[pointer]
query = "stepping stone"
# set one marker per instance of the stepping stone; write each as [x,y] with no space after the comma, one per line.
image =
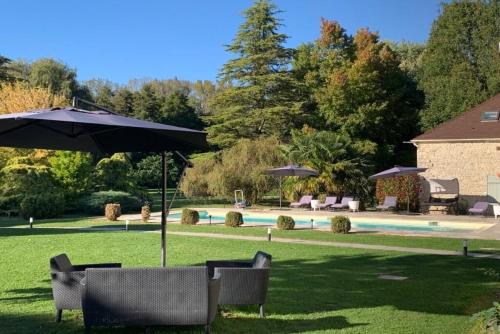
[392,277]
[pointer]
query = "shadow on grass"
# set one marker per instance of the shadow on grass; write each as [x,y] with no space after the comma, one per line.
[29,294]
[435,284]
[303,291]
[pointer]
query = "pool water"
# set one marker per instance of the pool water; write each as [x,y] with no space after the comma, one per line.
[325,222]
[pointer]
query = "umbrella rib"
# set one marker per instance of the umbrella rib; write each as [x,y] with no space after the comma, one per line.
[92,132]
[16,128]
[55,130]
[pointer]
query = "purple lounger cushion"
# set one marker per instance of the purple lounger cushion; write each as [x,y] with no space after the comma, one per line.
[344,203]
[479,207]
[329,201]
[305,200]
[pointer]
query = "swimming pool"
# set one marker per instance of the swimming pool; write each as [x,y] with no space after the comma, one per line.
[356,223]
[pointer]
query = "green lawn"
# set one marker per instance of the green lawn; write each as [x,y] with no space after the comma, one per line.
[313,289]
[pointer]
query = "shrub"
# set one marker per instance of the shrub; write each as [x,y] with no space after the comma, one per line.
[463,207]
[487,321]
[285,223]
[145,213]
[239,167]
[341,224]
[190,217]
[95,202]
[400,187]
[47,205]
[114,173]
[112,211]
[233,219]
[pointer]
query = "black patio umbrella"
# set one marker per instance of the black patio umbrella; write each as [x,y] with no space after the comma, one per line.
[290,170]
[398,171]
[99,131]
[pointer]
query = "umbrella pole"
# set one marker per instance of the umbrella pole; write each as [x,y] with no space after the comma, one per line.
[408,196]
[163,210]
[281,192]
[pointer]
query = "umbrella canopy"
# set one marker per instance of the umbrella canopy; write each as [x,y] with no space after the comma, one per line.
[100,131]
[290,170]
[397,171]
[74,129]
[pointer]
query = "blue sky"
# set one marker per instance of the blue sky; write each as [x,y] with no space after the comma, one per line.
[121,40]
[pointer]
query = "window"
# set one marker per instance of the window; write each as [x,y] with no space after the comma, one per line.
[490,116]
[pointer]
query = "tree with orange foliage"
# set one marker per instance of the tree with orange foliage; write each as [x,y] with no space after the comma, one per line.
[359,88]
[18,97]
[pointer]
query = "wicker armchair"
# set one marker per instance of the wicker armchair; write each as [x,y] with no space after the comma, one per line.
[149,297]
[66,277]
[243,282]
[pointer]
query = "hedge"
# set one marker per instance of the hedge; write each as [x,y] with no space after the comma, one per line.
[95,202]
[398,186]
[47,205]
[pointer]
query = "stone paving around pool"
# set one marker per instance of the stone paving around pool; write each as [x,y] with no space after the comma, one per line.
[486,228]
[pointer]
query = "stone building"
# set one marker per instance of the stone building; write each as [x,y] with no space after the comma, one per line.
[466,148]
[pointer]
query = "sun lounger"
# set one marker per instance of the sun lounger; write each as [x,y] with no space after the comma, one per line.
[389,202]
[479,208]
[344,204]
[329,201]
[304,201]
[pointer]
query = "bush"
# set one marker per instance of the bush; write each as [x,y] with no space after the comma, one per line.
[114,173]
[241,166]
[341,224]
[95,202]
[487,321]
[190,217]
[463,207]
[47,205]
[400,187]
[112,211]
[233,219]
[145,213]
[285,223]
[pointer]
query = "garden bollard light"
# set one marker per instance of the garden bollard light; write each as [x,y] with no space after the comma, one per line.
[465,247]
[269,234]
[31,222]
[210,219]
[126,225]
[312,224]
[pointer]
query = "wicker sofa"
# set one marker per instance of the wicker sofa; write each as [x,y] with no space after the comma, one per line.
[149,297]
[65,279]
[243,282]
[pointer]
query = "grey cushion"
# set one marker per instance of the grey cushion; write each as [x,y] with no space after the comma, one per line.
[60,263]
[261,260]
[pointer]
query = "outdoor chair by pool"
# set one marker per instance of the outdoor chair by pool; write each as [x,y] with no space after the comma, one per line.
[344,204]
[243,282]
[329,201]
[390,202]
[479,208]
[304,201]
[149,297]
[66,277]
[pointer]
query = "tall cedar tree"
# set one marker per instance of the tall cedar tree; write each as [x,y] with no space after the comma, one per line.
[259,98]
[461,64]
